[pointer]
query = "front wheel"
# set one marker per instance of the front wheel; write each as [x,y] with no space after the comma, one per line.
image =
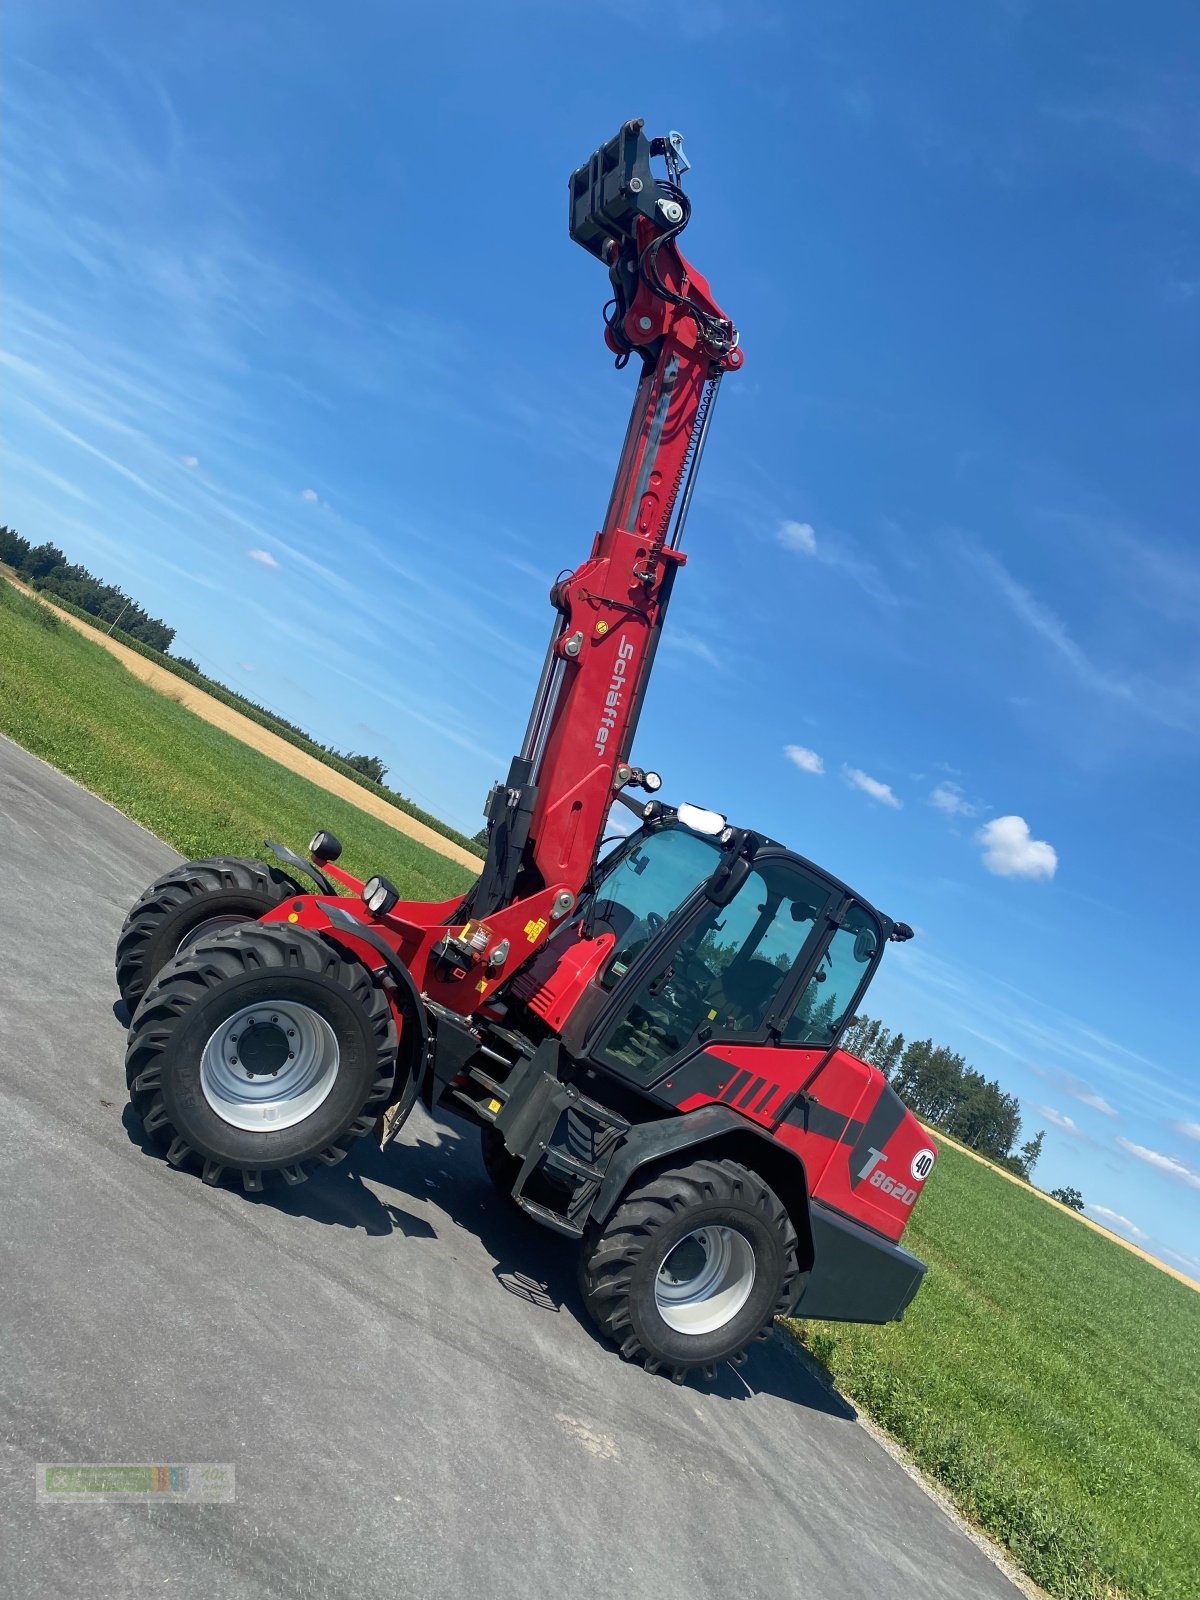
[263,1049]
[189,903]
[692,1267]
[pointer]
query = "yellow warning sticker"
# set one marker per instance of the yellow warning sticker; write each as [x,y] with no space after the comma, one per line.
[481,986]
[711,1015]
[534,930]
[493,1105]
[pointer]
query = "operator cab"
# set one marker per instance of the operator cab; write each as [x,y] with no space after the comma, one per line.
[716,933]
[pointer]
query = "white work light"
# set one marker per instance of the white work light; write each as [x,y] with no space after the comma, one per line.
[699,820]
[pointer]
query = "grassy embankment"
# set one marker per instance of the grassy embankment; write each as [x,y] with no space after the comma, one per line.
[1049,1380]
[202,791]
[277,725]
[1046,1377]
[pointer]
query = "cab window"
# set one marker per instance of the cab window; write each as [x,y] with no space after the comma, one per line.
[830,991]
[725,973]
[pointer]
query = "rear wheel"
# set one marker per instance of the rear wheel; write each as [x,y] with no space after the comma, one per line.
[261,1050]
[692,1267]
[189,903]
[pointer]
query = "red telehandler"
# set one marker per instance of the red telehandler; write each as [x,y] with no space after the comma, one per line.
[648,1038]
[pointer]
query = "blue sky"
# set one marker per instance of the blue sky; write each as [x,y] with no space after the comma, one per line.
[298,350]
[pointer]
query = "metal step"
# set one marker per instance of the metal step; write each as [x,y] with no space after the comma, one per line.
[551,1219]
[568,1163]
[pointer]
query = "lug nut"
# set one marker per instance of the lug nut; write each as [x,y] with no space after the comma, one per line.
[291,1033]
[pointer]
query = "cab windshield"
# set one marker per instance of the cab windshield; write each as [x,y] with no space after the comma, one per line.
[648,881]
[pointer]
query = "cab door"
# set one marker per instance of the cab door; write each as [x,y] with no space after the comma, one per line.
[717,972]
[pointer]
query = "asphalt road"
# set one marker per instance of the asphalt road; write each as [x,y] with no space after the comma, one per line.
[399,1369]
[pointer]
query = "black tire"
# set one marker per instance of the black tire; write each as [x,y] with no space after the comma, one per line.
[215,980]
[620,1266]
[179,902]
[499,1163]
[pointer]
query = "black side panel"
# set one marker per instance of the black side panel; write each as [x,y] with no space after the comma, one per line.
[857,1276]
[651,1141]
[888,1113]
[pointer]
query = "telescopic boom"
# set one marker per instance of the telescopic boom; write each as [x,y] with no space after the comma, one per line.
[545,822]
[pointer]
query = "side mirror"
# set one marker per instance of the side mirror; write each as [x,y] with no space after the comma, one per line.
[727,879]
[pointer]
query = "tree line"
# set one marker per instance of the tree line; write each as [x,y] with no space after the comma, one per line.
[45,567]
[945,1091]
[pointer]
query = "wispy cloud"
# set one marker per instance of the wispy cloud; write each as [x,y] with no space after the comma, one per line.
[264,559]
[858,779]
[1172,704]
[1059,1120]
[1010,850]
[679,641]
[1170,1166]
[838,552]
[310,495]
[1076,1087]
[948,797]
[807,760]
[1189,1130]
[1118,1223]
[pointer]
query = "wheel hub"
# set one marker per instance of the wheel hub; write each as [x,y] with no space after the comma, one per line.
[705,1279]
[269,1066]
[262,1049]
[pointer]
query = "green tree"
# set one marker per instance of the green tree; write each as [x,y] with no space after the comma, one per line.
[1068,1197]
[41,560]
[370,766]
[1031,1152]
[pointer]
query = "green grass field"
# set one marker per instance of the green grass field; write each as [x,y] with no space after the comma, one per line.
[1050,1380]
[199,789]
[1045,1376]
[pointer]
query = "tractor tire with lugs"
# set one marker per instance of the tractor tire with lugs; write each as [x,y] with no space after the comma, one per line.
[261,1049]
[692,1267]
[188,903]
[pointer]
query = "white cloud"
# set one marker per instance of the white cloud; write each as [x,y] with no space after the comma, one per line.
[190,461]
[678,641]
[1170,1165]
[1058,1119]
[1011,852]
[807,760]
[857,779]
[264,559]
[1190,1130]
[798,536]
[1077,1088]
[247,666]
[948,797]
[1115,1221]
[310,495]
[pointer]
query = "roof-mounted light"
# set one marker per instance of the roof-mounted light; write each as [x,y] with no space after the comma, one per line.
[699,820]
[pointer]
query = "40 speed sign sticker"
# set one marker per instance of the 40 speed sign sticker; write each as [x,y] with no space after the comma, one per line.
[922,1164]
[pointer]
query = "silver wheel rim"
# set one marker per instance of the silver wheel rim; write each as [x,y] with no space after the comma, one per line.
[209,925]
[705,1280]
[291,1065]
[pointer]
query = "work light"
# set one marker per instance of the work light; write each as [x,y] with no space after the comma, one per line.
[379,896]
[324,846]
[699,820]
